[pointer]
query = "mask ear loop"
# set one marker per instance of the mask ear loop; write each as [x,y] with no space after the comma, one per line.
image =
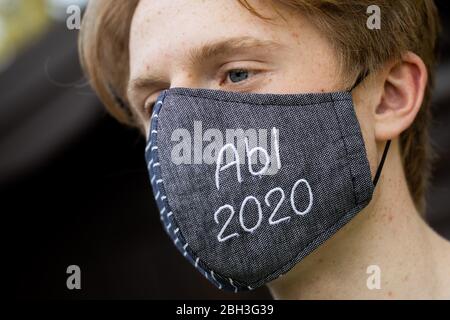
[362,76]
[380,166]
[359,80]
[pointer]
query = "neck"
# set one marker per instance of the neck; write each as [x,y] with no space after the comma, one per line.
[413,262]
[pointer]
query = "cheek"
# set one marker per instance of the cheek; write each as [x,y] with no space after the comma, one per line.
[366,122]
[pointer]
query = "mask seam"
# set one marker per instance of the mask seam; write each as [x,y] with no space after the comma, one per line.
[259,103]
[178,235]
[343,138]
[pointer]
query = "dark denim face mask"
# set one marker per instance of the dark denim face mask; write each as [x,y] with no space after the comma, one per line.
[244,211]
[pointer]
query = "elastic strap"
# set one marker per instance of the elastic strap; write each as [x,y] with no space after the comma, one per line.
[380,166]
[363,75]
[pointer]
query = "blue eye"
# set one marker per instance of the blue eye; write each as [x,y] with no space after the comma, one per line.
[237,75]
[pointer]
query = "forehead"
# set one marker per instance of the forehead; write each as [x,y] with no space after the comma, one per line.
[168,29]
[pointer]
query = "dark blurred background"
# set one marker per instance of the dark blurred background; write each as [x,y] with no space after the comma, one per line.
[74,181]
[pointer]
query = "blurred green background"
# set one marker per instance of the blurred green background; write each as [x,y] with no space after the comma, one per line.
[22,22]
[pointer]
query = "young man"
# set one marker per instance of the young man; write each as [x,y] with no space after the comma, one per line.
[134,50]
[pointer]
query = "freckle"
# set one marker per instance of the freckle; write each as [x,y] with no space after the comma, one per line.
[320,260]
[405,278]
[295,35]
[390,293]
[390,218]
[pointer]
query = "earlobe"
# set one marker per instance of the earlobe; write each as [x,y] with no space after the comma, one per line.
[402,96]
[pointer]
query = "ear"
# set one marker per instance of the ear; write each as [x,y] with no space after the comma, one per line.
[401,97]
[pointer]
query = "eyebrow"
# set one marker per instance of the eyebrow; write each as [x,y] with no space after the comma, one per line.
[228,46]
[207,51]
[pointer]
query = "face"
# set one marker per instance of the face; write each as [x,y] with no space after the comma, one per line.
[221,45]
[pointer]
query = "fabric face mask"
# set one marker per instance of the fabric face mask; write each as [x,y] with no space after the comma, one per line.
[248,185]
